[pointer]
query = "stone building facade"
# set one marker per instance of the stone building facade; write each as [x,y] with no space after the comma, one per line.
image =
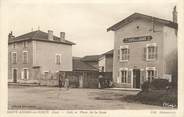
[145,48]
[37,53]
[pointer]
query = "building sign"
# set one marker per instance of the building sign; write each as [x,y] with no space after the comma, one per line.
[137,39]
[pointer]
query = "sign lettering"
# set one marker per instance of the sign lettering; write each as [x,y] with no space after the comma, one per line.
[137,39]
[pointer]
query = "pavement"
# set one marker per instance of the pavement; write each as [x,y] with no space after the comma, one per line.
[53,98]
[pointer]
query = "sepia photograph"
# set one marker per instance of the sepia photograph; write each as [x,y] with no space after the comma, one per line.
[91,55]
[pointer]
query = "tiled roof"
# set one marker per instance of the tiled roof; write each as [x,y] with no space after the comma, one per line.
[108,53]
[40,36]
[134,16]
[91,58]
[79,65]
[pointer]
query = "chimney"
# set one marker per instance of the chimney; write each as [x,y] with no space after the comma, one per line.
[62,36]
[10,35]
[174,14]
[50,35]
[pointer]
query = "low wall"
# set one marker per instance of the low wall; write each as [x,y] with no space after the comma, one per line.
[81,79]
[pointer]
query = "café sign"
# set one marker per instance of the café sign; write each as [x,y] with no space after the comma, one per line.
[137,39]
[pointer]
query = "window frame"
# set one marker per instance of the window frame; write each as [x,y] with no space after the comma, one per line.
[13,57]
[14,45]
[12,73]
[155,53]
[127,54]
[57,59]
[24,58]
[126,78]
[27,73]
[25,44]
[154,73]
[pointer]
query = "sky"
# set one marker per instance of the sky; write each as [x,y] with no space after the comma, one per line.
[84,22]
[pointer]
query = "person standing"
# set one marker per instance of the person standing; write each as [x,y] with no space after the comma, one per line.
[67,84]
[100,80]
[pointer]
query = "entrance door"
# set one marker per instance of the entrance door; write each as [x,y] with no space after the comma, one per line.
[15,75]
[136,78]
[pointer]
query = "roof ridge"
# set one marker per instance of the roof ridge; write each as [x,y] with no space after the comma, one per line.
[36,32]
[40,35]
[135,15]
[89,64]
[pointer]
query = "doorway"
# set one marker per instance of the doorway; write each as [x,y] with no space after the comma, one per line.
[136,78]
[14,75]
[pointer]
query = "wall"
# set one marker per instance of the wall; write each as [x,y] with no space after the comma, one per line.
[137,59]
[20,65]
[93,63]
[45,53]
[109,63]
[170,52]
[89,78]
[101,62]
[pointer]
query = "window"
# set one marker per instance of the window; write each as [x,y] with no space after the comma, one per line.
[46,74]
[25,57]
[124,75]
[25,44]
[151,74]
[14,45]
[151,52]
[14,57]
[25,74]
[58,59]
[124,53]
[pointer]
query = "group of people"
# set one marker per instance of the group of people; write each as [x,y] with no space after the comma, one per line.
[103,82]
[63,83]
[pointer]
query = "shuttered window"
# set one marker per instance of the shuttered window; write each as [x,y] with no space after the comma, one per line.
[25,74]
[124,53]
[25,57]
[124,76]
[151,52]
[25,43]
[14,57]
[151,74]
[58,59]
[129,76]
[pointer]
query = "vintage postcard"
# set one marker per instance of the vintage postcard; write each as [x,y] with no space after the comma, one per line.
[91,58]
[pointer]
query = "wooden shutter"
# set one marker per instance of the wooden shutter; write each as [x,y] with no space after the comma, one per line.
[10,57]
[128,54]
[145,53]
[156,52]
[118,54]
[27,74]
[22,74]
[155,74]
[129,76]
[144,76]
[119,77]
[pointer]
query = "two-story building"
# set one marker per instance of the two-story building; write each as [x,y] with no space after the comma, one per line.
[145,48]
[105,62]
[37,52]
